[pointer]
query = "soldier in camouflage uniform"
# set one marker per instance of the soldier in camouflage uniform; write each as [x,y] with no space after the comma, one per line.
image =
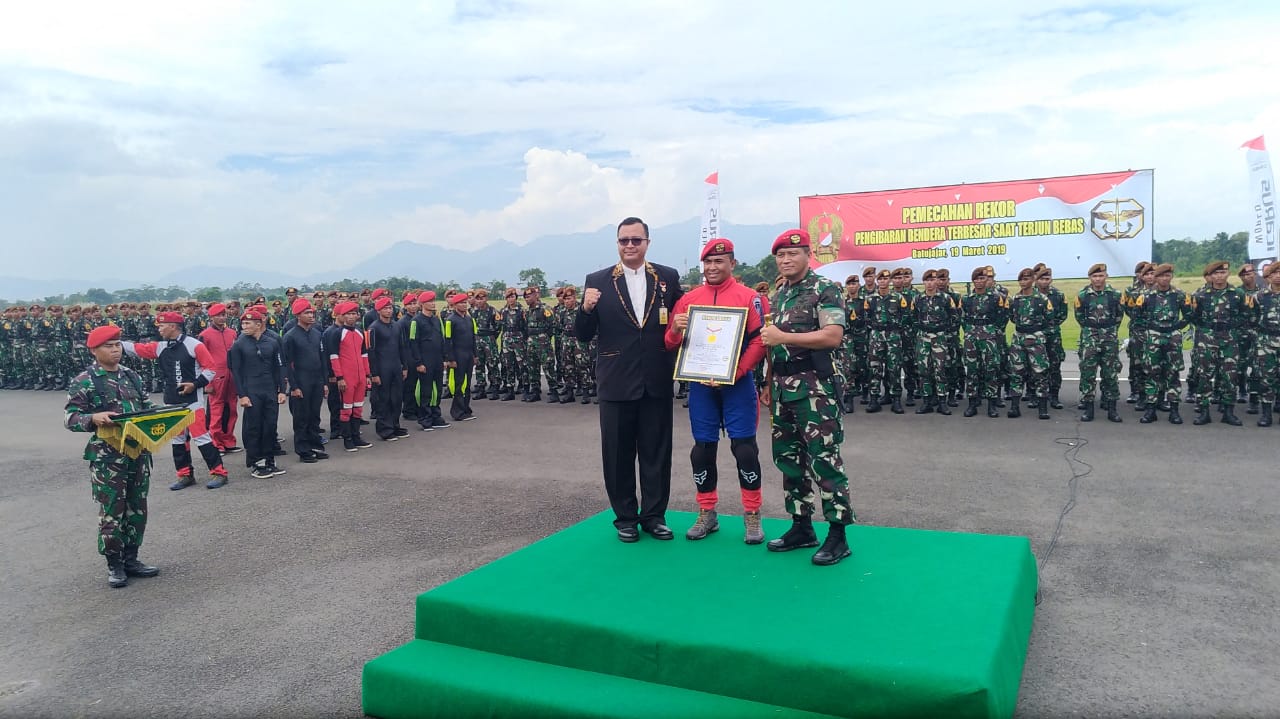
[196,321]
[1137,332]
[44,336]
[902,278]
[1266,350]
[804,401]
[6,350]
[488,360]
[540,324]
[1099,308]
[513,341]
[1220,312]
[853,350]
[984,315]
[573,355]
[933,314]
[1248,384]
[1031,313]
[1164,311]
[955,355]
[886,313]
[147,332]
[762,290]
[60,365]
[1053,333]
[119,483]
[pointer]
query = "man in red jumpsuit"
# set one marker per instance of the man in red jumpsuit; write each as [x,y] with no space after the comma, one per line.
[733,408]
[349,366]
[218,338]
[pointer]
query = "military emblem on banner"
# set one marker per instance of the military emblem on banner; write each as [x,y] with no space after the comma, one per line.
[137,432]
[1117,219]
[826,230]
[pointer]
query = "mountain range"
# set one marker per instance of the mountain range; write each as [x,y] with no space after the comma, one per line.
[560,257]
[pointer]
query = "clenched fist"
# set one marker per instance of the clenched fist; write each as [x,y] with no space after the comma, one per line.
[590,296]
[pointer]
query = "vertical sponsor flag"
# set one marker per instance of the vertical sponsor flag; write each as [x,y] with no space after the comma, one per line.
[1262,186]
[710,211]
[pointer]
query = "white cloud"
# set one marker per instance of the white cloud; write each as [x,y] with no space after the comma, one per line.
[289,132]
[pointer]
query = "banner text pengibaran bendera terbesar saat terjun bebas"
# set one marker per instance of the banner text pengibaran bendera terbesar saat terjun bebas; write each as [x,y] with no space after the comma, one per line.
[1068,223]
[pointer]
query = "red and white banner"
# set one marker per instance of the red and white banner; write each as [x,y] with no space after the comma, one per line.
[1262,186]
[710,211]
[1068,223]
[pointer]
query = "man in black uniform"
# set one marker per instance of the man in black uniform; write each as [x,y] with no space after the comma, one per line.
[257,368]
[460,355]
[426,352]
[388,371]
[305,369]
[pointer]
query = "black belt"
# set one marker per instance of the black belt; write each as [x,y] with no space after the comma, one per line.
[796,366]
[1028,329]
[1103,327]
[1166,330]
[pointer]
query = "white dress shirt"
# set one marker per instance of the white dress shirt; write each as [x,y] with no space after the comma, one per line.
[638,289]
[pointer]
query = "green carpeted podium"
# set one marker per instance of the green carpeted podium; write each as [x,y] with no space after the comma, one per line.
[915,623]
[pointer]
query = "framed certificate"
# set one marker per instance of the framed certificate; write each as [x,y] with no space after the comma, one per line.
[712,344]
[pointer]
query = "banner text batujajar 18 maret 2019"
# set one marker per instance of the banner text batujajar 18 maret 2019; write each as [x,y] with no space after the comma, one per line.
[1068,223]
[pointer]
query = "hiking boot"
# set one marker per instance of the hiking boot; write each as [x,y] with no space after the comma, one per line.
[834,548]
[704,525]
[754,533]
[798,537]
[184,480]
[217,478]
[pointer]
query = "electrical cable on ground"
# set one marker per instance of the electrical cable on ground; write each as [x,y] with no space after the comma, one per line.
[1079,470]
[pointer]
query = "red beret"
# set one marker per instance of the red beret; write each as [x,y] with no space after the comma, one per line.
[171,317]
[102,335]
[427,296]
[381,292]
[299,306]
[381,302]
[344,307]
[252,314]
[216,309]
[790,238]
[460,297]
[257,308]
[718,246]
[409,297]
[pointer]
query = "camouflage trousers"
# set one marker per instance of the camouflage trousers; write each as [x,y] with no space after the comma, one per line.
[884,362]
[120,488]
[514,350]
[1099,353]
[539,362]
[955,362]
[806,448]
[1248,374]
[1029,364]
[43,362]
[1057,355]
[1137,370]
[1162,363]
[856,345]
[1215,358]
[1266,367]
[573,366]
[931,363]
[907,356]
[983,360]
[488,363]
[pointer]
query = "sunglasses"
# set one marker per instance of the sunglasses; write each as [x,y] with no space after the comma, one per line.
[633,241]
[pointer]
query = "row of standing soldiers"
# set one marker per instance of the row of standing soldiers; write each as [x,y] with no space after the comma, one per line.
[937,346]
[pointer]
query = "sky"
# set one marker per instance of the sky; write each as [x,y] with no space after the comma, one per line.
[308,136]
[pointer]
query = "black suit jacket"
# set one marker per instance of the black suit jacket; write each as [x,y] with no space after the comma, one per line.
[633,360]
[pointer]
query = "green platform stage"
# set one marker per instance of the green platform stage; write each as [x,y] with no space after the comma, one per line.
[915,623]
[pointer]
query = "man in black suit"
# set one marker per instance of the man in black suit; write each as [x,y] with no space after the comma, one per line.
[627,307]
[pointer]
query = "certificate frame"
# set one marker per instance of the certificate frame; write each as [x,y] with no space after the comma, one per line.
[700,360]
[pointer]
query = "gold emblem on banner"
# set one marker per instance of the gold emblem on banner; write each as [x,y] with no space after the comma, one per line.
[826,230]
[1117,219]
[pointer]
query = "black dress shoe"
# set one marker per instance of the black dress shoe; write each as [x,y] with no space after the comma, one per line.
[660,531]
[628,535]
[320,455]
[307,458]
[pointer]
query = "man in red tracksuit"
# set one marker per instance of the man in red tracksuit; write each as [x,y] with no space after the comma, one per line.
[218,338]
[731,407]
[349,366]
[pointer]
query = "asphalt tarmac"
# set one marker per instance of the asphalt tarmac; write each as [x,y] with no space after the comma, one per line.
[1160,597]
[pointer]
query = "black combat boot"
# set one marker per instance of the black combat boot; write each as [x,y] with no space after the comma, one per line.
[508,395]
[896,405]
[911,400]
[1149,415]
[536,395]
[135,568]
[553,397]
[873,405]
[348,436]
[952,399]
[943,407]
[993,410]
[798,537]
[835,548]
[566,397]
[585,399]
[116,576]
[1054,402]
[1087,414]
[1015,410]
[926,406]
[1202,415]
[494,394]
[38,386]
[1174,417]
[1042,408]
[1229,414]
[1113,414]
[1253,403]
[1265,419]
[972,409]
